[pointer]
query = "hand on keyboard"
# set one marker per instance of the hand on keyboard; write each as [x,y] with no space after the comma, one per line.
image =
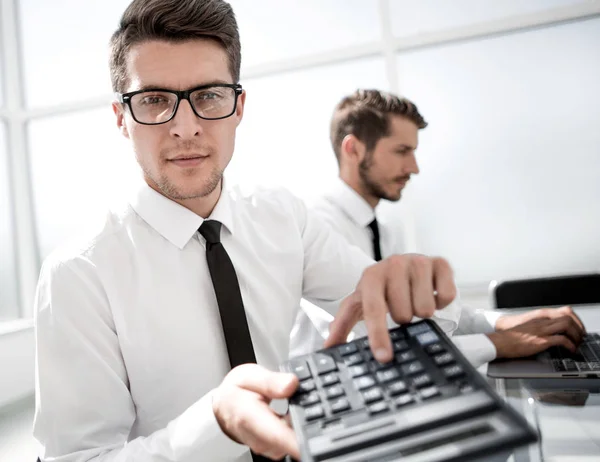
[241,407]
[537,335]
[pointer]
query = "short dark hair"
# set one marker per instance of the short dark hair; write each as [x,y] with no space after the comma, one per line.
[365,114]
[173,21]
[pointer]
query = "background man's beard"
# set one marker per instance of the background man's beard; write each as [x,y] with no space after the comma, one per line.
[371,186]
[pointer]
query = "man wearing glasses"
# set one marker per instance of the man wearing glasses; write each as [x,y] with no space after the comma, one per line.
[138,328]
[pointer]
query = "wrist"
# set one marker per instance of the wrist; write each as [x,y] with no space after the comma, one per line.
[499,343]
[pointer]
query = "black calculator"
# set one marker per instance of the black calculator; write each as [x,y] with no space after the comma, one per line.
[427,405]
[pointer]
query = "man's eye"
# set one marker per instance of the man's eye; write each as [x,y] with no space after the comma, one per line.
[151,100]
[207,96]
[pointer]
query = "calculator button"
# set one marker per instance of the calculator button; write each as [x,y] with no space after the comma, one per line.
[347,349]
[300,368]
[364,382]
[334,391]
[325,363]
[396,388]
[314,412]
[329,379]
[429,392]
[307,400]
[412,368]
[387,375]
[358,370]
[339,405]
[453,371]
[306,386]
[353,359]
[443,359]
[434,348]
[400,345]
[422,380]
[405,357]
[379,407]
[372,394]
[403,400]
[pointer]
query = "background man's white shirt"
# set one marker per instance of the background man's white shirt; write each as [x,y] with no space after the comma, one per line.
[349,214]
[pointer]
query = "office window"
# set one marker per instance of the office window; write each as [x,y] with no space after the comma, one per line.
[9,307]
[273,30]
[411,18]
[80,164]
[284,137]
[509,163]
[65,48]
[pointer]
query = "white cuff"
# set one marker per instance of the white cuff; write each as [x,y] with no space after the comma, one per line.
[196,434]
[477,348]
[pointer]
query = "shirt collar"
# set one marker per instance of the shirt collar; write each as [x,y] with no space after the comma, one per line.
[352,203]
[175,222]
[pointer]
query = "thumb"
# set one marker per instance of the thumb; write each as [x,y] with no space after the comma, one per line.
[271,385]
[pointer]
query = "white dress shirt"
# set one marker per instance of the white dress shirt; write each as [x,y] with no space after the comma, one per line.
[129,340]
[348,213]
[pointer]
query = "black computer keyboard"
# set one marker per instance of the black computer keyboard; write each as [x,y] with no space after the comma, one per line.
[585,359]
[428,404]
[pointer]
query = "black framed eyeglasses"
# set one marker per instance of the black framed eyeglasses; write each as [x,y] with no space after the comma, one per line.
[156,106]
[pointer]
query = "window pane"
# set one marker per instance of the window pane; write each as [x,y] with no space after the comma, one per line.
[9,306]
[284,137]
[509,164]
[65,48]
[410,17]
[272,29]
[80,164]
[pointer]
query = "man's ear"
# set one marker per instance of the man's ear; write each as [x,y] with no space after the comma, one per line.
[352,149]
[119,111]
[239,110]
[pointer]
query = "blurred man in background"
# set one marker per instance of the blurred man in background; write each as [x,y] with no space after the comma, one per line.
[374,136]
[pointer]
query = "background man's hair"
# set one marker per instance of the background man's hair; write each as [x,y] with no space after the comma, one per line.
[366,115]
[173,21]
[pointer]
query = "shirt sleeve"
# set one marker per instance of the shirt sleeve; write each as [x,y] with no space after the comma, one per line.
[477,348]
[84,410]
[477,321]
[332,267]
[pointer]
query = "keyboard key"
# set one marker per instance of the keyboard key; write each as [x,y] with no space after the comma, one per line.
[325,363]
[347,349]
[363,343]
[377,366]
[379,407]
[404,400]
[397,335]
[334,391]
[306,386]
[329,379]
[300,368]
[353,359]
[558,365]
[453,371]
[422,380]
[364,382]
[583,367]
[595,366]
[339,405]
[570,365]
[368,355]
[396,388]
[405,357]
[434,349]
[412,368]
[387,375]
[314,412]
[400,345]
[429,392]
[443,359]
[427,338]
[309,399]
[372,395]
[359,370]
[417,329]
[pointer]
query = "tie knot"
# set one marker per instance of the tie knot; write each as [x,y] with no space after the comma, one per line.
[211,231]
[374,226]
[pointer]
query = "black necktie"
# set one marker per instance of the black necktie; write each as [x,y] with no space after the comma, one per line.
[376,249]
[229,299]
